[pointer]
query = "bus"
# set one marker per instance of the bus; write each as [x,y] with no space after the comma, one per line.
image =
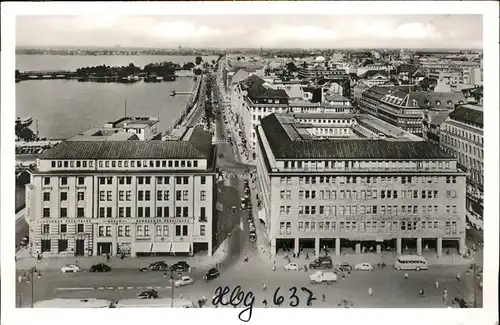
[411,262]
[154,303]
[73,303]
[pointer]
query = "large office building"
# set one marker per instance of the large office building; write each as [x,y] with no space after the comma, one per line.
[461,135]
[404,108]
[123,197]
[354,191]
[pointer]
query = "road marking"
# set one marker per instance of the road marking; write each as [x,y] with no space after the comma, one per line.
[100,288]
[158,287]
[149,287]
[119,288]
[74,289]
[130,288]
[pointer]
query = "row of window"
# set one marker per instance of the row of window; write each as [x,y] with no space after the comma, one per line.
[463,145]
[368,226]
[63,228]
[124,230]
[126,212]
[347,210]
[365,164]
[365,194]
[126,164]
[385,180]
[146,195]
[464,134]
[179,180]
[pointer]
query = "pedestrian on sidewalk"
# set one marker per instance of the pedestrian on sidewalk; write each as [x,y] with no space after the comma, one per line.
[108,257]
[264,302]
[459,278]
[307,256]
[370,291]
[437,284]
[422,294]
[264,287]
[20,278]
[324,297]
[406,275]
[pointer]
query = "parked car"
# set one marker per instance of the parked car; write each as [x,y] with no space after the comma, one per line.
[183,281]
[24,242]
[100,267]
[363,267]
[322,262]
[149,294]
[211,274]
[70,268]
[158,266]
[323,277]
[292,267]
[252,237]
[250,219]
[344,267]
[181,266]
[252,227]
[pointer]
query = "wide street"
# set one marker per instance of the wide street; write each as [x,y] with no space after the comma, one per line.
[390,288]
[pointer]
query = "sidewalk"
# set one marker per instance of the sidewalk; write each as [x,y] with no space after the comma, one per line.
[25,261]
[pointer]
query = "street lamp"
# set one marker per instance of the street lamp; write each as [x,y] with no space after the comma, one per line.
[31,278]
[172,284]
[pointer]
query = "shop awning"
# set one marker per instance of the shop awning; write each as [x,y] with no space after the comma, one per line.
[181,247]
[142,247]
[162,247]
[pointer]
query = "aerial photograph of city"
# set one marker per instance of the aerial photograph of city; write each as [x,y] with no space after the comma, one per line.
[249,162]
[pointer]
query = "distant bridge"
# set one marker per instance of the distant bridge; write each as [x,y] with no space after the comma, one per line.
[46,74]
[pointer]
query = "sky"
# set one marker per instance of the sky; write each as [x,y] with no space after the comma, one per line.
[269,31]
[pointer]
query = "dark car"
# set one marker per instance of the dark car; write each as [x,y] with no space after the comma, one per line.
[101,267]
[462,302]
[24,242]
[158,266]
[211,274]
[149,294]
[181,266]
[323,262]
[252,237]
[344,267]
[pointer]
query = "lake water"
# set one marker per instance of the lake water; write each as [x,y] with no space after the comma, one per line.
[64,108]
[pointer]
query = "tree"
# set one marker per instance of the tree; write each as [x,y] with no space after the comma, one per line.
[291,67]
[213,62]
[198,60]
[428,84]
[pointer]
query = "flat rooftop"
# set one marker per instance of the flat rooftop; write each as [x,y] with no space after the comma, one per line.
[137,122]
[289,139]
[104,134]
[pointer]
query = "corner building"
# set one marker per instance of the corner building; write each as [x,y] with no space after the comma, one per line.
[132,197]
[355,193]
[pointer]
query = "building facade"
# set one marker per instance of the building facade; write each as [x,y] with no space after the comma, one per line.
[404,108]
[352,193]
[462,136]
[123,197]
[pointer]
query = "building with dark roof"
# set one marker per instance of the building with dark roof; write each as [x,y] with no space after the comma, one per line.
[352,190]
[375,77]
[462,136]
[123,197]
[403,107]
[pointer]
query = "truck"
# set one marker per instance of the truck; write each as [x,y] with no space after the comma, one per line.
[323,277]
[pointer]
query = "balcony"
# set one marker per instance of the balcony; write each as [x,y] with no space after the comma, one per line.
[202,219]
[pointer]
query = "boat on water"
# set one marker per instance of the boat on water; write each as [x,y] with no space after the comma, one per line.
[25,121]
